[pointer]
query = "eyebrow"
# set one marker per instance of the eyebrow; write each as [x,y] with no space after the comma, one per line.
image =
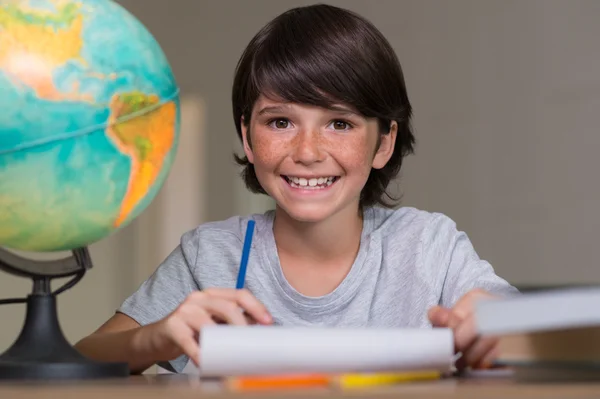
[277,109]
[343,110]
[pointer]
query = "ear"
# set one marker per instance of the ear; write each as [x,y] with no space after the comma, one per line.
[386,147]
[246,141]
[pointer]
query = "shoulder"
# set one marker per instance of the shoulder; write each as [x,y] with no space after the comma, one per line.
[232,227]
[221,236]
[409,220]
[414,230]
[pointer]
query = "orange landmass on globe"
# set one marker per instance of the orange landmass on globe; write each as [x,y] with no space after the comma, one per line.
[34,43]
[145,131]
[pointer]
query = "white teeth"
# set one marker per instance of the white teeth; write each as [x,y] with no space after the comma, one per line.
[312,183]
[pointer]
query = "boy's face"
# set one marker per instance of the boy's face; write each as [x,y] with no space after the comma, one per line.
[313,161]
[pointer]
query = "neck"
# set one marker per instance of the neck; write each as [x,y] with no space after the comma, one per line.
[326,241]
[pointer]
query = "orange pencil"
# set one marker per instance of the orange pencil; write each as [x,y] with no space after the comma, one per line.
[245,383]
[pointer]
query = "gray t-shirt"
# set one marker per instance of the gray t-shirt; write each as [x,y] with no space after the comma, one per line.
[408,261]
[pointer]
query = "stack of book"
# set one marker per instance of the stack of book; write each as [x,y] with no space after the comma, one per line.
[548,335]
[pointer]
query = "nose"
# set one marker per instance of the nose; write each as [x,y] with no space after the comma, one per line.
[308,147]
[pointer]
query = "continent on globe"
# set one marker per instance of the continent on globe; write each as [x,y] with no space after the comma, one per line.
[143,129]
[34,43]
[89,121]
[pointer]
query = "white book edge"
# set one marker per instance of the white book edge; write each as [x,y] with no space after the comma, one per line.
[539,311]
[252,350]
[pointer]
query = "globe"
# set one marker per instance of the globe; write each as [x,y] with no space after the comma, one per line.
[89,122]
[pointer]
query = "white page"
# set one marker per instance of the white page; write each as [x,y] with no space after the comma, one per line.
[539,311]
[235,350]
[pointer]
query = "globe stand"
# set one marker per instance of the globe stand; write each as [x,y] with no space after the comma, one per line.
[41,351]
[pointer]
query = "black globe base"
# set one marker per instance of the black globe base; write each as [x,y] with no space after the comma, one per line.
[41,351]
[59,371]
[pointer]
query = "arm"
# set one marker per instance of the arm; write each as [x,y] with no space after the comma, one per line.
[463,279]
[122,339]
[460,269]
[157,297]
[118,340]
[161,321]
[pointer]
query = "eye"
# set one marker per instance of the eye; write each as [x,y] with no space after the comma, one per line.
[279,123]
[340,125]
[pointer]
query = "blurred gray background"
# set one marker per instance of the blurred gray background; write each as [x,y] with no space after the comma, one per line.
[506,97]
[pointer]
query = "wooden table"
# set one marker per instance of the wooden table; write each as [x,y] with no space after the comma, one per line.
[186,387]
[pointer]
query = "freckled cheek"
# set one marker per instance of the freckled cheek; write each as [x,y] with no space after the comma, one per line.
[354,155]
[267,151]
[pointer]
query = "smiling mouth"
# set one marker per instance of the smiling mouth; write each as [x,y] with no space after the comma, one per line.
[313,183]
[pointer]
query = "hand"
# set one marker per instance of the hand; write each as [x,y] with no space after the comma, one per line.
[477,351]
[178,333]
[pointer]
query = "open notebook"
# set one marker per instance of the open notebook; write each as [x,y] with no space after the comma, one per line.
[259,350]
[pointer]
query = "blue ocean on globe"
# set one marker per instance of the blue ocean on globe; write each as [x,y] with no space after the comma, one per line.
[89,125]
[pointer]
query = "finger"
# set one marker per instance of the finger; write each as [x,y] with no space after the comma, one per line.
[183,336]
[204,319]
[198,300]
[455,320]
[464,334]
[466,304]
[253,307]
[250,320]
[489,360]
[479,350]
[474,348]
[246,301]
[195,316]
[439,316]
[224,310]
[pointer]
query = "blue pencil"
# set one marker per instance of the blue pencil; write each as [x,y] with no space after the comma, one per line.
[245,255]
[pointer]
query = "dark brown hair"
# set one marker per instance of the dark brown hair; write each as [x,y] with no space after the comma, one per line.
[320,55]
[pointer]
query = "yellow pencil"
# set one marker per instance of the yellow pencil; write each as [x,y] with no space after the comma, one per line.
[357,380]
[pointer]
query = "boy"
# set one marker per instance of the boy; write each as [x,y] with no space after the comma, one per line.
[320,105]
